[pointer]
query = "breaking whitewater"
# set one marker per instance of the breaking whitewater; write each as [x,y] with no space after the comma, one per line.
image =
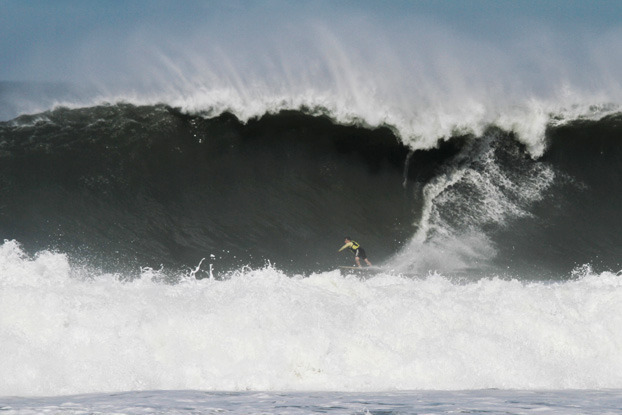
[149,247]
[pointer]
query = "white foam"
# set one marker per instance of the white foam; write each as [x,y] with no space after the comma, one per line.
[65,330]
[473,192]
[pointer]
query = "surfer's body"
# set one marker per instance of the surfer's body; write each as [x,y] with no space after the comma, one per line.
[357,249]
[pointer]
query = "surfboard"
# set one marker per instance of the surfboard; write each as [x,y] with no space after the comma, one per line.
[368,272]
[365,270]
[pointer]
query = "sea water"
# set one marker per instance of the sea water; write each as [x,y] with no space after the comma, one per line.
[567,402]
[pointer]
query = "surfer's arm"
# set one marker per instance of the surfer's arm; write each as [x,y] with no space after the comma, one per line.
[349,244]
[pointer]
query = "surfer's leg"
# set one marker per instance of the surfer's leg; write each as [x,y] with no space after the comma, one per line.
[360,253]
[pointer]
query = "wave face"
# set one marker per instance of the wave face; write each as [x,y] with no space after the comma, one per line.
[123,186]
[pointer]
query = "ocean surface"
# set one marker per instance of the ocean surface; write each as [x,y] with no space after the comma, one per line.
[569,402]
[169,241]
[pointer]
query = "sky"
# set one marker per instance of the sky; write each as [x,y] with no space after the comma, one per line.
[49,40]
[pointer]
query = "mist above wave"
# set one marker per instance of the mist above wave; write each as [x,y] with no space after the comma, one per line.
[421,76]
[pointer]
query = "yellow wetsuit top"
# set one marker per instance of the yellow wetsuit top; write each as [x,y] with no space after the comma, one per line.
[352,245]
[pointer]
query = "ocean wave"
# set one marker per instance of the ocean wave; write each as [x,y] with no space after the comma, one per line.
[125,186]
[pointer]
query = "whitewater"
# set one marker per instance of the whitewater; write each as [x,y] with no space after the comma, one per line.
[66,331]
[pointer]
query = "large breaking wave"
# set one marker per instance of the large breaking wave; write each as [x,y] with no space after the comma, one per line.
[171,212]
[123,186]
[148,248]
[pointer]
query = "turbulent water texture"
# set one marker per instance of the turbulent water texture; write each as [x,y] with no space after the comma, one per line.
[68,330]
[430,402]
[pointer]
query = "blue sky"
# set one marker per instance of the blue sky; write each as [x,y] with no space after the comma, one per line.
[38,39]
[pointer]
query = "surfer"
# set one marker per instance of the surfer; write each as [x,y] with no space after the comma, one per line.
[359,252]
